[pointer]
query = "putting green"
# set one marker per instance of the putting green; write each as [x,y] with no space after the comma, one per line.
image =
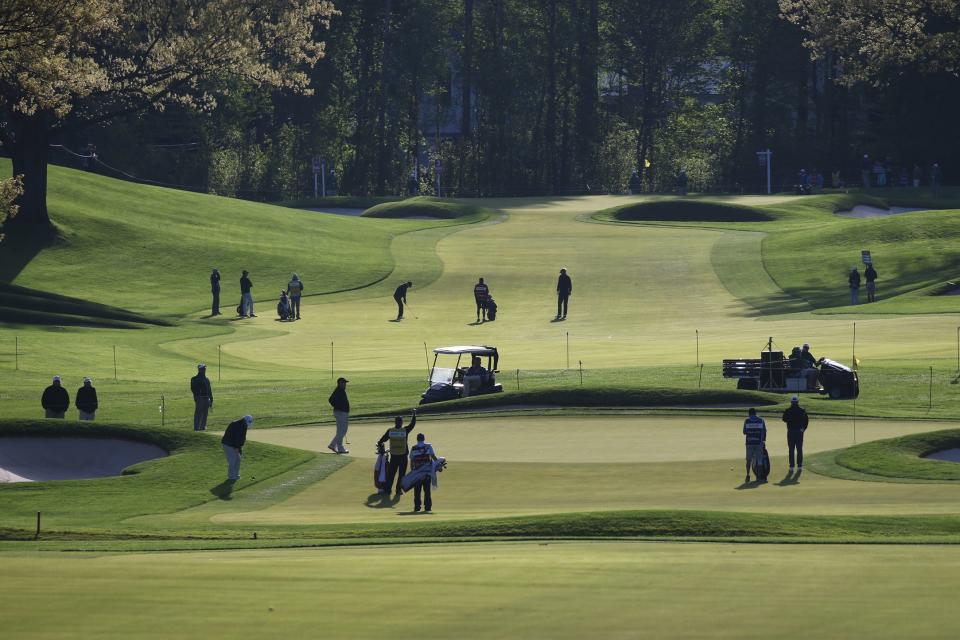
[638,464]
[518,590]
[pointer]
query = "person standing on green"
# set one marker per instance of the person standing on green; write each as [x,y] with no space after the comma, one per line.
[341,413]
[202,397]
[215,291]
[295,290]
[399,450]
[400,297]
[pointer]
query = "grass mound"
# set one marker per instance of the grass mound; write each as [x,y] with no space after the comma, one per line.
[192,474]
[29,306]
[686,211]
[613,397]
[339,202]
[904,457]
[424,207]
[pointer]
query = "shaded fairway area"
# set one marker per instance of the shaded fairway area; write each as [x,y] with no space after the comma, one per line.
[493,590]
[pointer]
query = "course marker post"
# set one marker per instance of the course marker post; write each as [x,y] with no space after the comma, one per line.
[930,399]
[518,379]
[698,346]
[36,536]
[700,378]
[16,353]
[331,359]
[426,357]
[219,360]
[114,363]
[581,372]
[568,350]
[162,410]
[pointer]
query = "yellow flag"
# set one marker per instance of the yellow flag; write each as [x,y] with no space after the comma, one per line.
[646,164]
[856,363]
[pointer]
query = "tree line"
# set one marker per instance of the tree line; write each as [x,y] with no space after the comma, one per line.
[498,97]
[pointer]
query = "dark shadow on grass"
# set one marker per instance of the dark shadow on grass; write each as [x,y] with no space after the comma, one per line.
[559,320]
[476,323]
[381,501]
[396,320]
[750,485]
[791,478]
[415,513]
[224,490]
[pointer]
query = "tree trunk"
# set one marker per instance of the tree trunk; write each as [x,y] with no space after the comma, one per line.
[30,160]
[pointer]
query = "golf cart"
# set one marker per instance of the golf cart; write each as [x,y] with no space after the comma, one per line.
[450,383]
[777,374]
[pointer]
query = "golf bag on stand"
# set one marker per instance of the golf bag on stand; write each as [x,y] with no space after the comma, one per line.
[380,469]
[761,466]
[491,309]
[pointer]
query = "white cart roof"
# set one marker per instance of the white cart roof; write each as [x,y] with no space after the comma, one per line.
[473,350]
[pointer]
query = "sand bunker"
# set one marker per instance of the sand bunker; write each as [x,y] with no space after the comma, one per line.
[35,459]
[866,211]
[948,455]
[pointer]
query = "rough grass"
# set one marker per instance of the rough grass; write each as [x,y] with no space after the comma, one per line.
[903,457]
[425,207]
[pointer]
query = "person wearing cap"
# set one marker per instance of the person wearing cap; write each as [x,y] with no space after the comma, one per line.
[246,297]
[809,365]
[854,280]
[202,397]
[480,294]
[215,290]
[399,449]
[55,400]
[86,401]
[422,454]
[564,289]
[797,420]
[341,413]
[232,442]
[295,290]
[400,297]
[755,435]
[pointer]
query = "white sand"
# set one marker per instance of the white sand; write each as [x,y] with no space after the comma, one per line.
[30,459]
[866,211]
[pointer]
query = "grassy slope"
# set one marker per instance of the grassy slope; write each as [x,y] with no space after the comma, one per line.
[424,207]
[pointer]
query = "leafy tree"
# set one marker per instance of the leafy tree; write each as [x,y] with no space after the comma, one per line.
[67,64]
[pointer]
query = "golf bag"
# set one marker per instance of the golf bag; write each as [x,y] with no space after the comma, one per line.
[283,308]
[240,308]
[380,469]
[425,472]
[491,309]
[761,467]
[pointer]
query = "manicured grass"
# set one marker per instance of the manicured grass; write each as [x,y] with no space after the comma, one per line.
[425,207]
[339,202]
[556,590]
[903,457]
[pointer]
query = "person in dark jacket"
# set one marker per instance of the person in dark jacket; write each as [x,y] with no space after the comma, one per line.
[400,297]
[796,418]
[854,280]
[55,400]
[422,454]
[202,397]
[215,290]
[871,277]
[755,435]
[86,401]
[246,297]
[564,289]
[341,413]
[399,450]
[480,294]
[232,442]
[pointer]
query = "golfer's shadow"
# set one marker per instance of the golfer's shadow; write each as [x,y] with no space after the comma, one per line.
[224,490]
[750,485]
[381,501]
[559,320]
[396,320]
[790,478]
[475,324]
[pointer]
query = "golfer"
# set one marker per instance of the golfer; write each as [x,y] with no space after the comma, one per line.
[422,454]
[755,433]
[232,442]
[86,402]
[564,289]
[55,400]
[202,397]
[480,294]
[246,298]
[397,437]
[871,277]
[215,290]
[341,413]
[400,297]
[796,418]
[854,280]
[295,290]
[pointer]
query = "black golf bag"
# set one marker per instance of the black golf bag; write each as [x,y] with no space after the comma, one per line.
[761,466]
[491,309]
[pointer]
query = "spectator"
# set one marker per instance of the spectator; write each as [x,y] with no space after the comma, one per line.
[816,180]
[880,173]
[854,280]
[413,185]
[682,181]
[634,183]
[865,168]
[904,177]
[917,176]
[232,442]
[295,290]
[564,289]
[86,401]
[215,290]
[246,298]
[55,400]
[935,177]
[871,276]
[202,397]
[341,413]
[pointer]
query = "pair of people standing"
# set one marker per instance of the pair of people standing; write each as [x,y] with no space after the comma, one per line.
[854,280]
[755,436]
[419,455]
[55,400]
